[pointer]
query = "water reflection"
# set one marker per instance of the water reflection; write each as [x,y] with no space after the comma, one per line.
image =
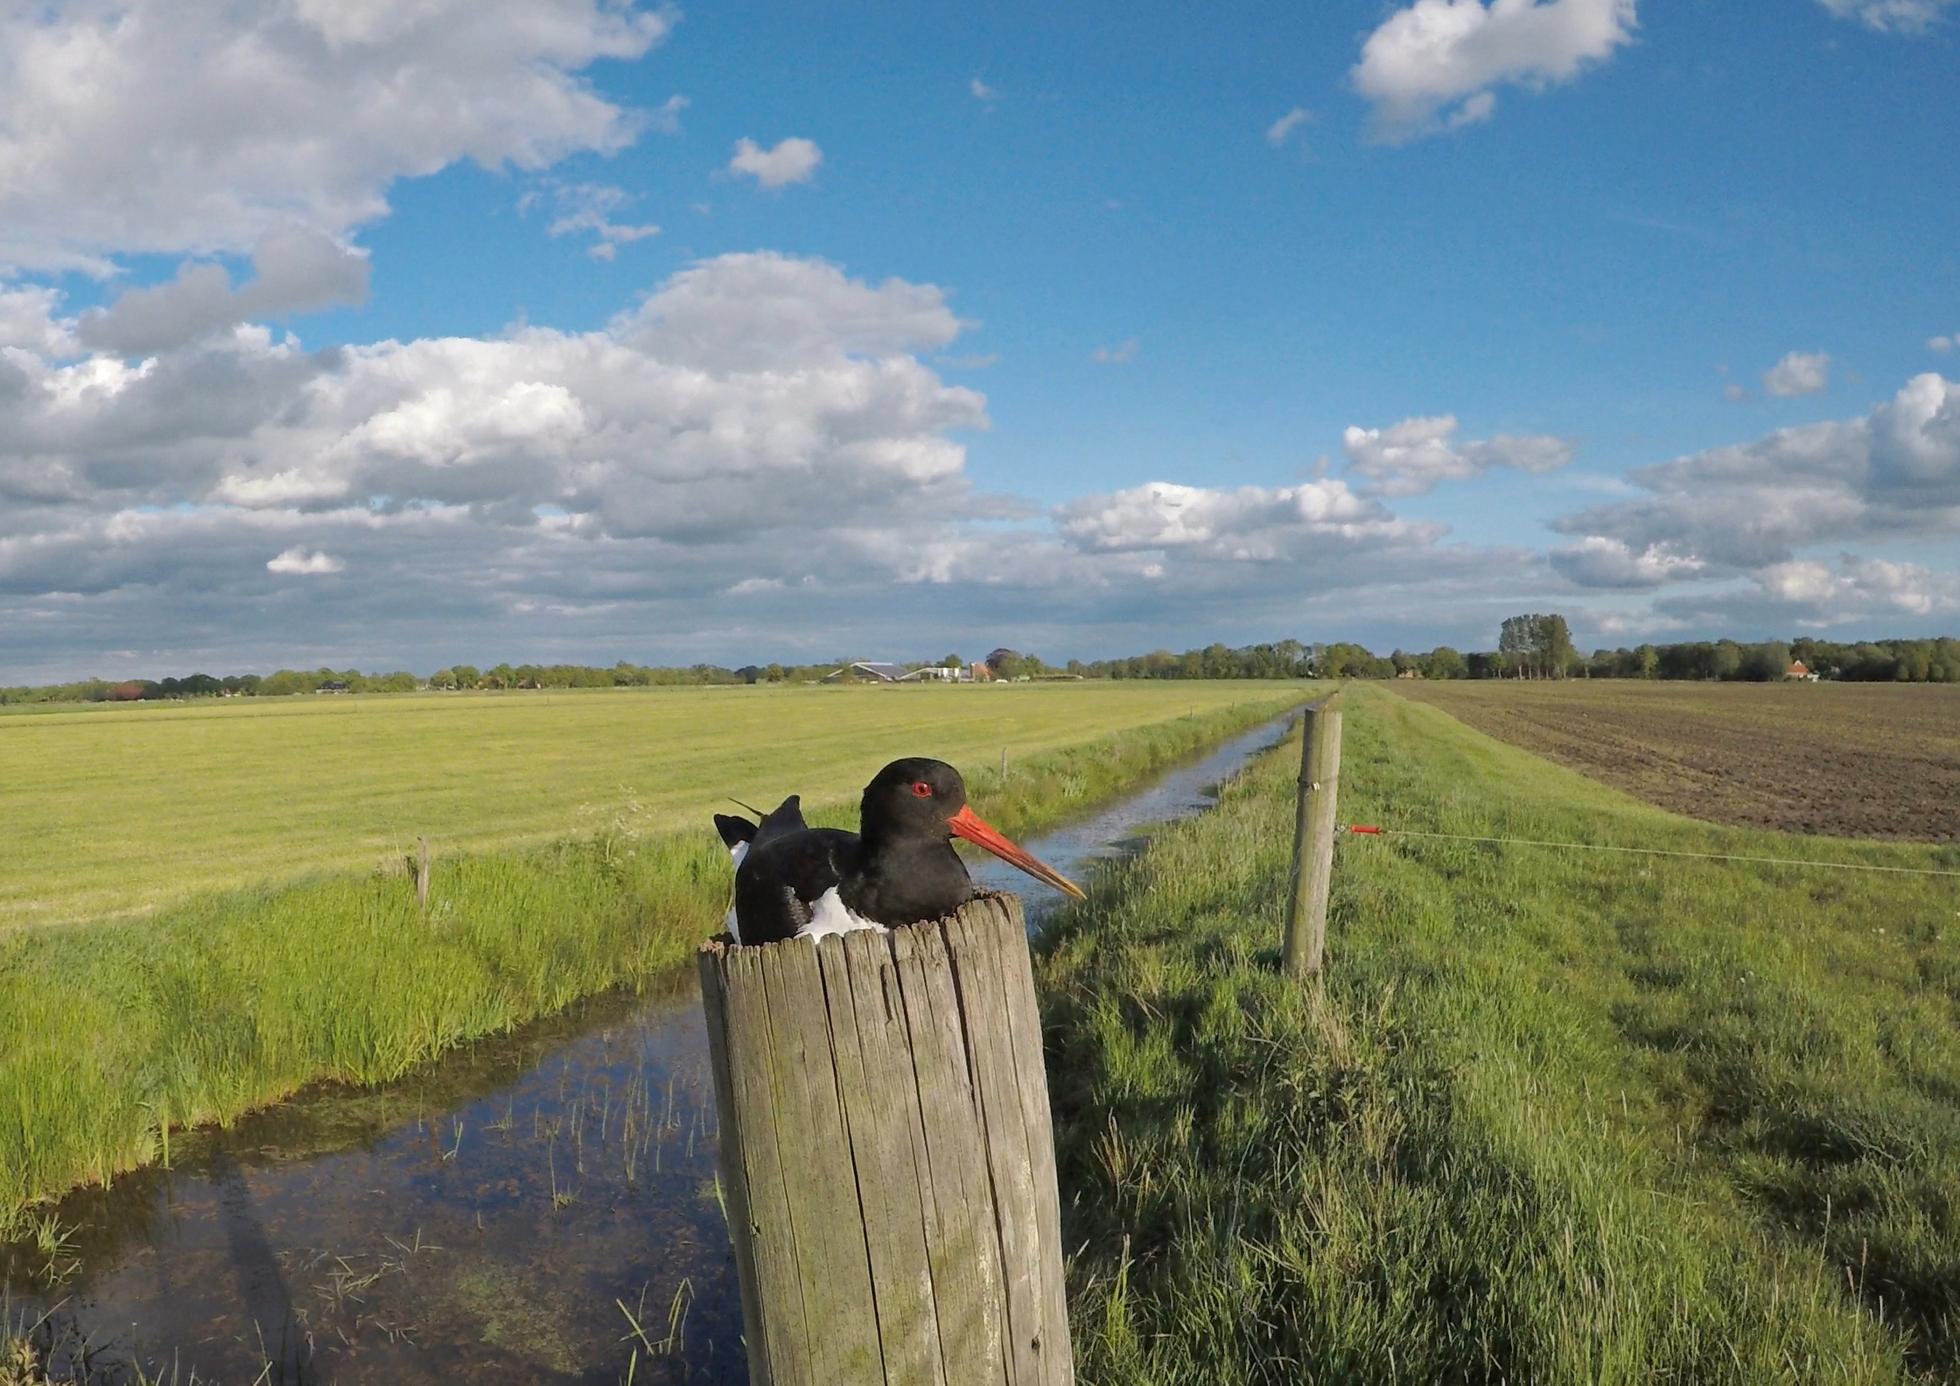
[540,1207]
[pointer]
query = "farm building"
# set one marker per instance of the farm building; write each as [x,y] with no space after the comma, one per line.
[875,671]
[1799,670]
[866,671]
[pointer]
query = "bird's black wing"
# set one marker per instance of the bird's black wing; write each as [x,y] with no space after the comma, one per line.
[734,830]
[783,877]
[785,818]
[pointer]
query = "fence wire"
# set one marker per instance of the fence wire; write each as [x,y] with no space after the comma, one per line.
[1375,830]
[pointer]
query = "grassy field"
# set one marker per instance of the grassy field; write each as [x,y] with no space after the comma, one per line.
[1554,1116]
[121,809]
[1852,759]
[120,1029]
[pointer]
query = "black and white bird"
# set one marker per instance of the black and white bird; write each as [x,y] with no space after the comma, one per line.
[795,881]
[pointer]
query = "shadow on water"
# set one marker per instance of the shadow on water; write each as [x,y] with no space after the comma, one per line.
[538,1207]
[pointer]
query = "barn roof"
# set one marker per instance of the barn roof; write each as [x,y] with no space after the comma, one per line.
[877,669]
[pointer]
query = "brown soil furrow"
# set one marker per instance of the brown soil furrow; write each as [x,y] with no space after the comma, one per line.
[1848,760]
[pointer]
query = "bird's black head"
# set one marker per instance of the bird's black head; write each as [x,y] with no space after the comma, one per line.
[920,800]
[912,798]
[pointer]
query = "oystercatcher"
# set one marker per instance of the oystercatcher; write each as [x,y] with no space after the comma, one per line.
[795,881]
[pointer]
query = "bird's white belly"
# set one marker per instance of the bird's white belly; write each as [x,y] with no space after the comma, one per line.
[729,923]
[829,915]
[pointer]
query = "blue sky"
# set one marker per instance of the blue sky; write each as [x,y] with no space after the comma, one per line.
[1087,331]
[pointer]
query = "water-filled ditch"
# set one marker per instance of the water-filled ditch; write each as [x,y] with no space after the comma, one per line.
[537,1207]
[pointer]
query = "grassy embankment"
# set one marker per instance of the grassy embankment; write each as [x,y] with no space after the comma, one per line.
[207,1009]
[119,810]
[1555,1116]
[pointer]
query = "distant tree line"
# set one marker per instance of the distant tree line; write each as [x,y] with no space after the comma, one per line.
[454,677]
[286,681]
[1539,646]
[1871,661]
[1282,659]
[290,681]
[1528,647]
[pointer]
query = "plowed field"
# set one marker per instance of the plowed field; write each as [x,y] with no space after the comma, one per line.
[1849,760]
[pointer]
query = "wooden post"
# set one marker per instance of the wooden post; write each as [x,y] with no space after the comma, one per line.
[422,875]
[887,1155]
[1313,838]
[1003,765]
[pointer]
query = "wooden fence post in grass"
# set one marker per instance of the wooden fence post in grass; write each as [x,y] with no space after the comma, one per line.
[887,1157]
[1313,838]
[422,875]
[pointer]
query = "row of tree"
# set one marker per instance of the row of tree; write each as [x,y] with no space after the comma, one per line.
[457,677]
[1872,661]
[1539,646]
[1528,646]
[290,681]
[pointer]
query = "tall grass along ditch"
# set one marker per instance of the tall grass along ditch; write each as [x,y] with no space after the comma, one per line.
[119,1032]
[1552,1116]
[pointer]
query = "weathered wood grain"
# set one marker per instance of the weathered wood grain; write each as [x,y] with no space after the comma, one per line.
[887,1149]
[778,1341]
[963,1246]
[1313,837]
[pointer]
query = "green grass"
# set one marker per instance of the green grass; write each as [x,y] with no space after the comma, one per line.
[113,810]
[119,1029]
[1553,1116]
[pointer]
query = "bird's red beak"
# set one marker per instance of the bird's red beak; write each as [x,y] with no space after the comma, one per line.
[975,829]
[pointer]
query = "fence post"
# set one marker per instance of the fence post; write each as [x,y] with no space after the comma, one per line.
[887,1155]
[422,875]
[1313,838]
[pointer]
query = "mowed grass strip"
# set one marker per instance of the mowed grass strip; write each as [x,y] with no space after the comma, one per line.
[1554,1116]
[116,810]
[118,1029]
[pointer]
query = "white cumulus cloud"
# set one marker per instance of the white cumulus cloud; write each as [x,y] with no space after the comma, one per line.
[1434,64]
[1859,587]
[758,427]
[1251,522]
[203,126]
[295,269]
[1798,373]
[793,160]
[1891,16]
[666,117]
[588,208]
[1597,561]
[30,319]
[1891,474]
[1411,457]
[1282,129]
[298,562]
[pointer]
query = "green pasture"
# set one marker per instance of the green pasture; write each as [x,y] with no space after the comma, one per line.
[117,1031]
[1552,1117]
[118,810]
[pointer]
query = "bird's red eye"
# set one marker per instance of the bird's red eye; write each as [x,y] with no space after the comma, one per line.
[922,789]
